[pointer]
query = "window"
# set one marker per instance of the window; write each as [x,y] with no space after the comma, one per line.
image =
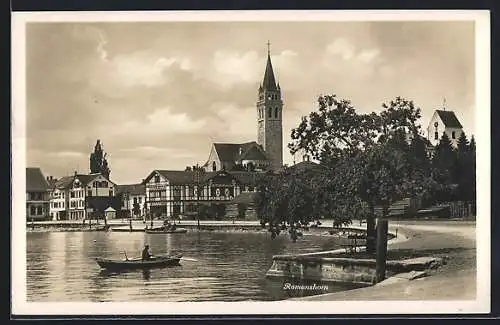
[140,199]
[104,184]
[453,134]
[436,136]
[157,178]
[72,195]
[276,112]
[89,193]
[135,200]
[39,211]
[214,166]
[270,112]
[110,192]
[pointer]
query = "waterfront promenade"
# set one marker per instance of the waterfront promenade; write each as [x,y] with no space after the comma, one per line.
[456,280]
[451,238]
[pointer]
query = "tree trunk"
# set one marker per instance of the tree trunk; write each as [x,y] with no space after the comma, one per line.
[382,229]
[370,230]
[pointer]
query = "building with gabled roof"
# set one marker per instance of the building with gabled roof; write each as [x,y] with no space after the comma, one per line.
[81,196]
[37,195]
[130,196]
[247,156]
[171,193]
[444,121]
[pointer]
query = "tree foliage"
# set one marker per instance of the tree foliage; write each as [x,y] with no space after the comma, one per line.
[369,161]
[99,162]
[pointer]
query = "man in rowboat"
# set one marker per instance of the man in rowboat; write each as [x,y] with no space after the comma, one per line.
[145,253]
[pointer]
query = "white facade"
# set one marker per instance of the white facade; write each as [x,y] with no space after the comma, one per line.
[130,200]
[436,128]
[76,200]
[58,204]
[68,201]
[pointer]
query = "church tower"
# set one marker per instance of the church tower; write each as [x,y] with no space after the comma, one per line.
[270,116]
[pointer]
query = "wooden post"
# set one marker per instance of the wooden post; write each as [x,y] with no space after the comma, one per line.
[382,229]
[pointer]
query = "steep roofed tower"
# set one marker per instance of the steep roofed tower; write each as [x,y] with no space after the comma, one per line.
[270,116]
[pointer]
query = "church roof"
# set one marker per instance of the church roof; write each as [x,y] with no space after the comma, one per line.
[269,82]
[35,181]
[231,151]
[449,119]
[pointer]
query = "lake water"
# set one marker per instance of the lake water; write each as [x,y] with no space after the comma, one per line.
[228,266]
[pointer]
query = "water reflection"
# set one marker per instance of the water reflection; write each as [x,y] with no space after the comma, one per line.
[219,266]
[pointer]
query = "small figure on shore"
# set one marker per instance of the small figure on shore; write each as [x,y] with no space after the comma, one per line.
[145,253]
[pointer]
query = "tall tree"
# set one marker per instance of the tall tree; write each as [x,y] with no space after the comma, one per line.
[368,159]
[98,161]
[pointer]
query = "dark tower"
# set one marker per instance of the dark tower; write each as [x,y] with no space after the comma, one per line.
[270,116]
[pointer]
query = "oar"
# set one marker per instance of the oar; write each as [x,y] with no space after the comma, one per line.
[189,259]
[126,257]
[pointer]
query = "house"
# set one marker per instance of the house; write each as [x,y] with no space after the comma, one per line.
[79,196]
[171,193]
[132,195]
[444,121]
[37,195]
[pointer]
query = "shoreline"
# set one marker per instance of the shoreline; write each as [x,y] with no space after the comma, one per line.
[456,279]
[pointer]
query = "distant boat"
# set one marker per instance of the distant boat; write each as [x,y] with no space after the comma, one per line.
[128,229]
[166,231]
[138,263]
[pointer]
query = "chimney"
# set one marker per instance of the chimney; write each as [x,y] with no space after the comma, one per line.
[76,173]
[48,178]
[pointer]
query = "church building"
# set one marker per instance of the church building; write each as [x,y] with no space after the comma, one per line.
[444,121]
[267,152]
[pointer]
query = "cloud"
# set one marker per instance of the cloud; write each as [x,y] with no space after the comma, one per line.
[161,122]
[150,152]
[233,67]
[346,50]
[367,56]
[341,47]
[66,154]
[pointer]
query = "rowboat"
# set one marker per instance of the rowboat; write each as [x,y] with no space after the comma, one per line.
[138,263]
[166,231]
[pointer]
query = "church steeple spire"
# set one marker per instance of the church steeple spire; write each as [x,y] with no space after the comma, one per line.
[269,82]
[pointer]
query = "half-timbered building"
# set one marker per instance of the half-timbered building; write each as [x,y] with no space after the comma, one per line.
[171,193]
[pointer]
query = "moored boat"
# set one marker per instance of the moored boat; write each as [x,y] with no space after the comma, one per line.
[166,231]
[138,263]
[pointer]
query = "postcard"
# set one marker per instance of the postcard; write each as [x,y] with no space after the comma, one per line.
[250,162]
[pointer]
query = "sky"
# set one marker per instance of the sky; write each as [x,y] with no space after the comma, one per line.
[157,94]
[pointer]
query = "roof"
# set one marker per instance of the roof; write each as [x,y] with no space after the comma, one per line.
[178,177]
[269,82]
[67,181]
[109,209]
[132,189]
[231,151]
[306,165]
[52,183]
[35,181]
[449,119]
[246,198]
